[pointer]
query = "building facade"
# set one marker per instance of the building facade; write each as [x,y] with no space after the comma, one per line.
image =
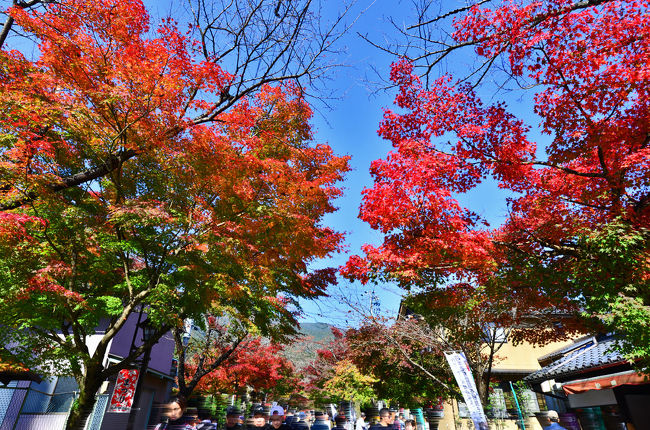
[30,402]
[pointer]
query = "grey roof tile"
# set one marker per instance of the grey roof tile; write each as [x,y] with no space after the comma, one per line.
[560,352]
[588,356]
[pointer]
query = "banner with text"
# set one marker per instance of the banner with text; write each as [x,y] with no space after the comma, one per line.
[122,399]
[462,373]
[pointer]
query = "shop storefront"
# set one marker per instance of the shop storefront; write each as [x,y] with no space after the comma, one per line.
[593,387]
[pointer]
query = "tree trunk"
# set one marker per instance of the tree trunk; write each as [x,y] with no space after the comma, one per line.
[5,30]
[488,373]
[82,408]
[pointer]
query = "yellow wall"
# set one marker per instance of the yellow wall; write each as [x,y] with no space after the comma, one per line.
[524,356]
[452,422]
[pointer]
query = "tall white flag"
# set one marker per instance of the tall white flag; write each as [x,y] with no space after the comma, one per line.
[462,373]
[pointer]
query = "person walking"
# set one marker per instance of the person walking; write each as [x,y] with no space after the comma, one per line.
[322,421]
[340,421]
[300,423]
[384,421]
[205,420]
[192,417]
[554,418]
[259,418]
[397,423]
[361,422]
[175,418]
[290,418]
[232,418]
[276,420]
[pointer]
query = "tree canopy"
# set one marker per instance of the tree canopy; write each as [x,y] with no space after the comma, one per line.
[126,184]
[575,165]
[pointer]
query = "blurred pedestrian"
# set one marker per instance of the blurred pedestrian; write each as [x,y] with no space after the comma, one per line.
[300,423]
[554,418]
[192,414]
[399,422]
[340,421]
[205,420]
[276,420]
[290,417]
[232,418]
[361,422]
[259,418]
[175,418]
[322,421]
[384,421]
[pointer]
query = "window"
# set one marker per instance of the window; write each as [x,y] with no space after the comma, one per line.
[497,407]
[463,412]
[500,334]
[51,395]
[38,396]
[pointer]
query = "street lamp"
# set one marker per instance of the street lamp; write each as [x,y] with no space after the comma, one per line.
[148,332]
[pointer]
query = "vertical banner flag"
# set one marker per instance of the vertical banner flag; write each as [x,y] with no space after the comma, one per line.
[122,399]
[460,368]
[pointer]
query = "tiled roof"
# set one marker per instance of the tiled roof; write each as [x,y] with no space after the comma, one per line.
[560,352]
[590,355]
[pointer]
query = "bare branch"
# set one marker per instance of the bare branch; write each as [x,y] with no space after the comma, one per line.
[428,41]
[111,163]
[446,15]
[262,42]
[7,26]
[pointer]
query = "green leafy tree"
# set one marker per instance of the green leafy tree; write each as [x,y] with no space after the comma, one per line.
[397,355]
[349,384]
[132,177]
[609,271]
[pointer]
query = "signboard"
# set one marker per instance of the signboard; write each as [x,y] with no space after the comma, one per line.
[122,399]
[460,368]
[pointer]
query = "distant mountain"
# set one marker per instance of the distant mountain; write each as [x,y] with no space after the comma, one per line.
[318,331]
[314,336]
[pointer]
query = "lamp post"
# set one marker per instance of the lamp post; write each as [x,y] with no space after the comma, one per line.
[147,333]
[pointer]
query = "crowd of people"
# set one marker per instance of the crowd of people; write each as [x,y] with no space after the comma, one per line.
[179,417]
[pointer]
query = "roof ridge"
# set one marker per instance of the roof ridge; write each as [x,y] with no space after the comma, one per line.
[572,357]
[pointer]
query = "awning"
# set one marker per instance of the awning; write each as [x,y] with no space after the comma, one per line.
[508,374]
[7,376]
[602,382]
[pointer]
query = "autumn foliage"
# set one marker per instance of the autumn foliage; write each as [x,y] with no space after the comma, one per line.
[379,361]
[256,364]
[333,377]
[124,184]
[577,163]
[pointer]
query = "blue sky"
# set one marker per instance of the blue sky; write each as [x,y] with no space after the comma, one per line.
[351,129]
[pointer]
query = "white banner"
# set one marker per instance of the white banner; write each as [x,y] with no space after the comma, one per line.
[462,373]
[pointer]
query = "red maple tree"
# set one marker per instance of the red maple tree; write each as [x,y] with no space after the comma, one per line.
[256,364]
[586,64]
